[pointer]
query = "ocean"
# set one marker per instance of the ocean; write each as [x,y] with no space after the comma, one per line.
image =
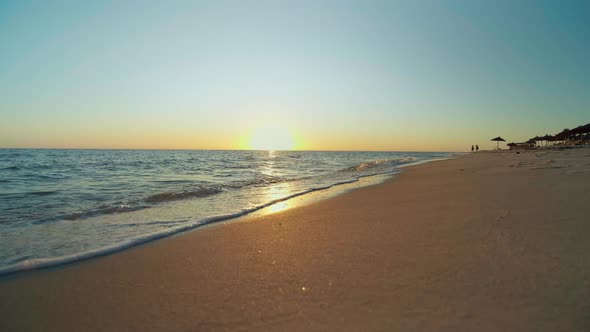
[59,206]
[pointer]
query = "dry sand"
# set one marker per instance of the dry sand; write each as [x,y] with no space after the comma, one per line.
[486,242]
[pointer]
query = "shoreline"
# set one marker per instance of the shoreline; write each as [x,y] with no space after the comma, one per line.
[481,242]
[294,200]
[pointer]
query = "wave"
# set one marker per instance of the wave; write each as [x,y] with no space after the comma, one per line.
[26,194]
[151,223]
[48,177]
[173,181]
[38,263]
[222,175]
[238,166]
[149,198]
[103,210]
[366,165]
[158,198]
[269,180]
[377,163]
[174,196]
[42,193]
[31,167]
[260,181]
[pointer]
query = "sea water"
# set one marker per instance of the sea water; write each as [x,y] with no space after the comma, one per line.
[59,206]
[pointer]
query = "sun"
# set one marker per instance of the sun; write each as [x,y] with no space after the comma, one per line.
[272,137]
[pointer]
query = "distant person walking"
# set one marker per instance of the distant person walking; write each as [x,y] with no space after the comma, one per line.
[476,147]
[472,148]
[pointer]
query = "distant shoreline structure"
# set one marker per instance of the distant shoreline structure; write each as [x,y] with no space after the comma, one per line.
[567,138]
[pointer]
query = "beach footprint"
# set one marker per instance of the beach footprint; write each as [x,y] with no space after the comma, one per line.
[503,214]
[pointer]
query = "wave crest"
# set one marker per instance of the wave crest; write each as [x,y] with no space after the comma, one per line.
[174,196]
[376,163]
[119,208]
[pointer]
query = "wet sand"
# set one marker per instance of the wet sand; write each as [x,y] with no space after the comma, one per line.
[485,242]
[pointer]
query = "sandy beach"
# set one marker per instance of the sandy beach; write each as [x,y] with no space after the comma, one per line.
[492,241]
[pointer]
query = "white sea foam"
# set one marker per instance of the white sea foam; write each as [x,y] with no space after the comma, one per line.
[162,193]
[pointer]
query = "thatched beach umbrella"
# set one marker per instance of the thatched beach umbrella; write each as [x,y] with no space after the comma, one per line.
[534,140]
[498,140]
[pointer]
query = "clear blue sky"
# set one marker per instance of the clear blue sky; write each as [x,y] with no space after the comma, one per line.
[346,75]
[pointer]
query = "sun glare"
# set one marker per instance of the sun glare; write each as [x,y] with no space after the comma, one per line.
[272,137]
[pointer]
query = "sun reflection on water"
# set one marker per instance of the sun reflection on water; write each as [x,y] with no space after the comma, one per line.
[275,191]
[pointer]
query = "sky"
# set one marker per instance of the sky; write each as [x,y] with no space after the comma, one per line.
[322,75]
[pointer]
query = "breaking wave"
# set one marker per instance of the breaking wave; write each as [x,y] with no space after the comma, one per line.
[173,196]
[378,163]
[79,204]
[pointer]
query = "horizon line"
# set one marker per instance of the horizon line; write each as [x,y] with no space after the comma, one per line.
[196,149]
